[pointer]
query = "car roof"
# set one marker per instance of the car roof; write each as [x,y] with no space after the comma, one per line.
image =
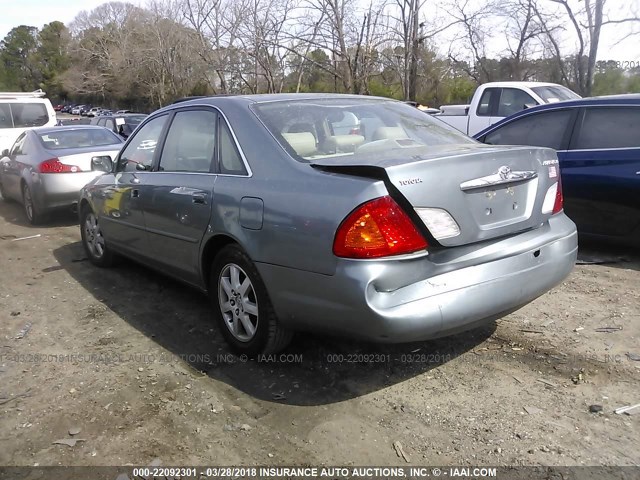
[618,100]
[268,97]
[521,84]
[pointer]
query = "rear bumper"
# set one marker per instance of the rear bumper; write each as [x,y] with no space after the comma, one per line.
[60,189]
[413,299]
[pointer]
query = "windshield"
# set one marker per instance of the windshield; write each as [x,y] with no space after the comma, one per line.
[78,138]
[555,93]
[333,127]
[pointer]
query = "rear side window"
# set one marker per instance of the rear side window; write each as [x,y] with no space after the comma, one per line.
[545,129]
[5,116]
[18,147]
[230,160]
[29,114]
[609,127]
[190,143]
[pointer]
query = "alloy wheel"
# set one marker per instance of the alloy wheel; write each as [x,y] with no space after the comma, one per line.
[93,235]
[238,302]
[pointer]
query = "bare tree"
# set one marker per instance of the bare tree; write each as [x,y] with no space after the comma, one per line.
[522,32]
[586,21]
[217,23]
[475,32]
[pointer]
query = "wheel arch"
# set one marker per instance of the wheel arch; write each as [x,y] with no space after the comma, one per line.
[211,248]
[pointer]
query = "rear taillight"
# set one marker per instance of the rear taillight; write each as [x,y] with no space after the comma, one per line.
[378,228]
[53,165]
[559,201]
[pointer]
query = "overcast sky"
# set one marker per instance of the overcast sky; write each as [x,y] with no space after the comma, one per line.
[40,12]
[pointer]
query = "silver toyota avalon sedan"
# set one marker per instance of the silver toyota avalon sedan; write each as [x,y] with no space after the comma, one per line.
[398,229]
[46,167]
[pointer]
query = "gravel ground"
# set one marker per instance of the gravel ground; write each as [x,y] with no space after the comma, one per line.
[130,363]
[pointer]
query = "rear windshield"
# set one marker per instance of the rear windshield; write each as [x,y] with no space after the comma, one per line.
[555,93]
[22,115]
[321,128]
[78,138]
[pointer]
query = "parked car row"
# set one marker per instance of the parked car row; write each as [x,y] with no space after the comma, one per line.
[87,110]
[123,124]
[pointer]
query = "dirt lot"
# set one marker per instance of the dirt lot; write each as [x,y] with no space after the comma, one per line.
[131,360]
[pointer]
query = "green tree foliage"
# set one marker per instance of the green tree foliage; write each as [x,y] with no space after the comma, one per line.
[53,57]
[18,57]
[32,58]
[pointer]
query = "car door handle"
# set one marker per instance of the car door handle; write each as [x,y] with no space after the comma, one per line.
[199,198]
[135,193]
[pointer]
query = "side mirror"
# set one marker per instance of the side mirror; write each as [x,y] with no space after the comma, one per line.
[102,164]
[5,152]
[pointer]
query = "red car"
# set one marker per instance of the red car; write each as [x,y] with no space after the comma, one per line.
[57,108]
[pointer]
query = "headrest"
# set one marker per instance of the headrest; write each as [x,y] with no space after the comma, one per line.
[343,143]
[304,143]
[392,133]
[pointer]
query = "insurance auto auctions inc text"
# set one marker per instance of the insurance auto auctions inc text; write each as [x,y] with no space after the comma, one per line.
[375,472]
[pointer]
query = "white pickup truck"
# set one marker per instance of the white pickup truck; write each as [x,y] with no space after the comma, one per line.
[494,101]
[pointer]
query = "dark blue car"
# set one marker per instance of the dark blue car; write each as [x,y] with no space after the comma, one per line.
[598,144]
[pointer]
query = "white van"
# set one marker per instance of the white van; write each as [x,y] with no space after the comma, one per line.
[20,111]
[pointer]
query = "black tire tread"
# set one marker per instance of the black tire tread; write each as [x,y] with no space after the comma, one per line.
[36,217]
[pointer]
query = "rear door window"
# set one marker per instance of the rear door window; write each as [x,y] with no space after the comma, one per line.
[608,127]
[545,129]
[487,101]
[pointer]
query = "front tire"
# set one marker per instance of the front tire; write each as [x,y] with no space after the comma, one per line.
[93,241]
[242,308]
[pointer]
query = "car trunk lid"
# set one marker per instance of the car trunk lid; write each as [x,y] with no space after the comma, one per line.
[488,191]
[81,157]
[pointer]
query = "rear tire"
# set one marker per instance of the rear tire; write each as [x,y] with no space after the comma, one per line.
[30,210]
[93,241]
[3,193]
[241,305]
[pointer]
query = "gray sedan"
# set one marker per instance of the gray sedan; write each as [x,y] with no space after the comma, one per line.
[399,230]
[46,167]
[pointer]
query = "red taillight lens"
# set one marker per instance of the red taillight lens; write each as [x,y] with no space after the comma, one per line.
[378,228]
[53,165]
[559,203]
